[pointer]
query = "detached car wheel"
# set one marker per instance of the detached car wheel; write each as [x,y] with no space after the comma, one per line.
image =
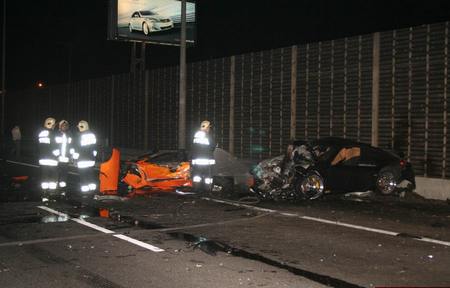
[386,182]
[310,187]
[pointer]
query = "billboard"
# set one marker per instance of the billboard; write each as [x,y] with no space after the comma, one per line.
[152,21]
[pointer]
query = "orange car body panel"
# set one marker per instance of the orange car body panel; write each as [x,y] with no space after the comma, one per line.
[159,177]
[154,176]
[109,174]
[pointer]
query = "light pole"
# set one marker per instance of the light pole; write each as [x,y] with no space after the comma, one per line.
[182,101]
[3,91]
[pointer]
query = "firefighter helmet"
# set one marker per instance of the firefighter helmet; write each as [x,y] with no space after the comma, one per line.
[205,125]
[49,123]
[83,126]
[63,125]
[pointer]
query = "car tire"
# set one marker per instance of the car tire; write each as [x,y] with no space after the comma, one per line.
[387,179]
[145,29]
[310,187]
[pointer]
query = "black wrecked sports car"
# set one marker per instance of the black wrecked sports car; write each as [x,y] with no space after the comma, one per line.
[309,168]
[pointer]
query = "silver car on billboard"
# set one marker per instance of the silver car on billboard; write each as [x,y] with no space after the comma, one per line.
[148,21]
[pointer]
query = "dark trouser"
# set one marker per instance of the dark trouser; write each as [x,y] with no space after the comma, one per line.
[16,148]
[202,176]
[63,171]
[87,179]
[49,177]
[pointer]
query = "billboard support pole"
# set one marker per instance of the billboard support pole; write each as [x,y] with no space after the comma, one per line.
[146,108]
[137,62]
[182,100]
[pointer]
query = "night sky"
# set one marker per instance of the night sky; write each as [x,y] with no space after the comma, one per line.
[44,36]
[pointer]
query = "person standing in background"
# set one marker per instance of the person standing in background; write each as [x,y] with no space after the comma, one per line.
[64,142]
[47,158]
[16,139]
[85,152]
[203,158]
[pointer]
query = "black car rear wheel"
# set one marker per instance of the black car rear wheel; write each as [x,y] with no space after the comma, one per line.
[387,180]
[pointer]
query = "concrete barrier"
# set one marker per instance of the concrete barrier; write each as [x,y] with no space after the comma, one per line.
[433,188]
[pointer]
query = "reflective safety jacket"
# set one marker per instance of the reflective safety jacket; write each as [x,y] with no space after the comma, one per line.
[203,147]
[46,147]
[64,144]
[85,149]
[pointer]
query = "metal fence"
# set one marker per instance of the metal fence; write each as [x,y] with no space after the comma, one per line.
[259,101]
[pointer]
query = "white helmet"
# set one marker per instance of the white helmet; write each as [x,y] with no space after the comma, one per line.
[63,125]
[205,125]
[83,126]
[50,123]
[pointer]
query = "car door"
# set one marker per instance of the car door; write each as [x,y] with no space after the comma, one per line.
[349,172]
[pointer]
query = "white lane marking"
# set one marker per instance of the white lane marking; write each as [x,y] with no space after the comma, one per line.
[104,230]
[381,231]
[139,243]
[46,240]
[431,240]
[321,220]
[21,163]
[53,211]
[241,205]
[79,221]
[210,224]
[93,226]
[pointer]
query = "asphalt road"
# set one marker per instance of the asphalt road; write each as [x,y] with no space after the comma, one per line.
[171,240]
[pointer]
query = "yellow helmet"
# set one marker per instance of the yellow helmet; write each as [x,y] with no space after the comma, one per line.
[50,123]
[83,126]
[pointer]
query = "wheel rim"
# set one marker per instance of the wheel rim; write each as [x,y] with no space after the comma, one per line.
[386,182]
[146,30]
[312,187]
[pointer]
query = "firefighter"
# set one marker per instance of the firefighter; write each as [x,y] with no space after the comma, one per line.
[47,158]
[63,141]
[84,154]
[203,157]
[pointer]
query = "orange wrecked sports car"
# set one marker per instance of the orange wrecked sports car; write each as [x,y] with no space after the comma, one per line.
[161,171]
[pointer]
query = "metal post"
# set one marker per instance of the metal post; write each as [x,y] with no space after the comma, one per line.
[375,87]
[3,91]
[182,100]
[70,63]
[133,58]
[89,101]
[146,101]
[111,119]
[232,95]
[293,92]
[142,59]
